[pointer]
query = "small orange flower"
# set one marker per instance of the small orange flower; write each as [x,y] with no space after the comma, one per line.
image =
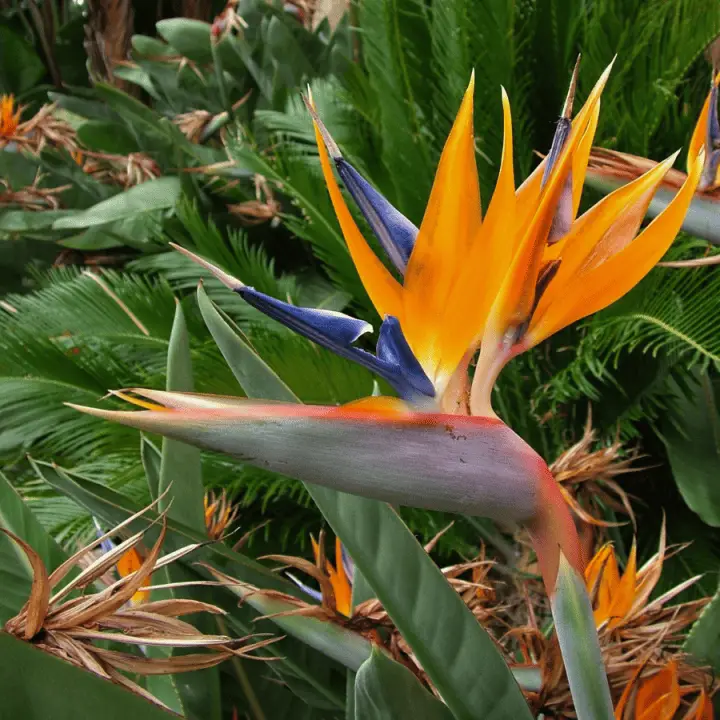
[129,563]
[658,697]
[219,514]
[9,117]
[614,595]
[338,578]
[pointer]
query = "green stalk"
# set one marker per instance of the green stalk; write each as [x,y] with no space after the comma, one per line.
[580,646]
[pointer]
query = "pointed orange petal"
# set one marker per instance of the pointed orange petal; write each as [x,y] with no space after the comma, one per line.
[703,708]
[581,158]
[607,587]
[475,289]
[127,564]
[341,584]
[383,289]
[586,293]
[625,697]
[597,564]
[451,223]
[699,135]
[606,228]
[624,594]
[658,697]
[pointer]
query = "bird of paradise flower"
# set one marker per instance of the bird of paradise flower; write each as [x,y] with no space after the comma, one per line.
[461,284]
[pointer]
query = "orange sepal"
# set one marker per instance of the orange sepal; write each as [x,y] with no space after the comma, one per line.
[658,697]
[586,293]
[474,292]
[451,223]
[127,564]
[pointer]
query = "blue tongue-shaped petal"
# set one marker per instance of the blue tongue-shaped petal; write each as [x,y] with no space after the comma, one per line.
[394,231]
[393,350]
[330,329]
[710,178]
[564,213]
[337,332]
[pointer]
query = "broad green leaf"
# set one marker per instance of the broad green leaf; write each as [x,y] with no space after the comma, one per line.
[694,449]
[20,66]
[575,628]
[38,685]
[458,655]
[29,220]
[248,367]
[148,197]
[15,572]
[151,459]
[108,137]
[386,690]
[181,477]
[150,46]
[180,469]
[190,38]
[703,640]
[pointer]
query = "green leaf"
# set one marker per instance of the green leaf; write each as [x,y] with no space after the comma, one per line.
[248,367]
[181,477]
[458,655]
[15,572]
[575,627]
[151,460]
[148,197]
[703,640]
[107,137]
[694,448]
[386,690]
[190,38]
[38,685]
[180,465]
[20,67]
[30,220]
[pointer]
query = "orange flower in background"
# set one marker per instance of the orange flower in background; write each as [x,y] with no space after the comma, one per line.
[659,696]
[129,563]
[614,595]
[338,577]
[9,116]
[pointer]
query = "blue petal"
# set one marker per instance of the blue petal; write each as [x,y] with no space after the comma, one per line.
[106,545]
[712,145]
[348,564]
[314,594]
[713,133]
[327,328]
[559,139]
[335,331]
[394,231]
[394,352]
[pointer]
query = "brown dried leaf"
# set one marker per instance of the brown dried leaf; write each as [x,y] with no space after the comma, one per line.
[37,605]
